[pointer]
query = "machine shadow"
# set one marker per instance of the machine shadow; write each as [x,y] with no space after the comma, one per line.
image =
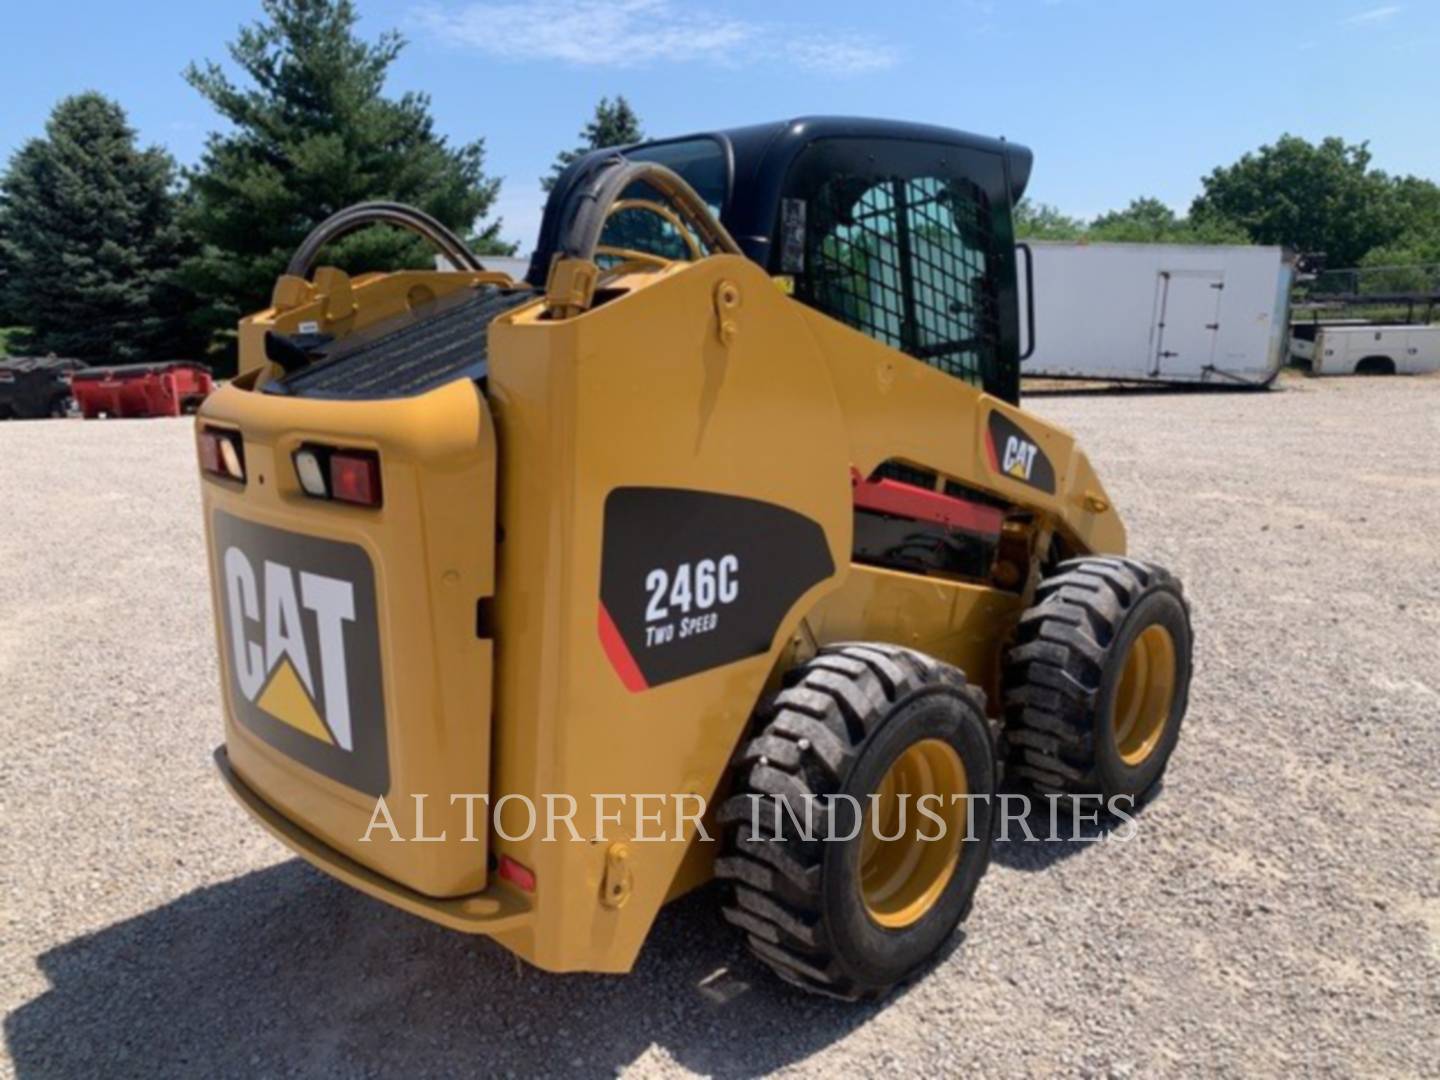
[1026,842]
[283,971]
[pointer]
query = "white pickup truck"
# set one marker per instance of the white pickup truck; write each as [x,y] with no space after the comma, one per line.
[1368,349]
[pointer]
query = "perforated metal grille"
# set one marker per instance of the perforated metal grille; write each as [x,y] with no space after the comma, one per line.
[409,355]
[907,261]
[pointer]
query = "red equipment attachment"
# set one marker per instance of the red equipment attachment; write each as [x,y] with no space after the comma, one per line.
[167,389]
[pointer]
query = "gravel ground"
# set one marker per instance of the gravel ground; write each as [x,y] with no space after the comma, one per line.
[1278,911]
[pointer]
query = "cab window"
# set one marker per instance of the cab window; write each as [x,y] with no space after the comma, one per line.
[900,244]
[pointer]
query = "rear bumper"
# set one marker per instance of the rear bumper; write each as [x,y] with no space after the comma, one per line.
[496,912]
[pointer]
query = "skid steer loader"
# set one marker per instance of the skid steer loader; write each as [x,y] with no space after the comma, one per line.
[729,503]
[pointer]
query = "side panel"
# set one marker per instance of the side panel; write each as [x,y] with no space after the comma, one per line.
[623,431]
[1423,350]
[639,450]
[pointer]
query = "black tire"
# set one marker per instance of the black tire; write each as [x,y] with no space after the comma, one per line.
[1063,673]
[843,719]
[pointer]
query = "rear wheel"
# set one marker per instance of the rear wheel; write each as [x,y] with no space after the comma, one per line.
[1098,680]
[900,734]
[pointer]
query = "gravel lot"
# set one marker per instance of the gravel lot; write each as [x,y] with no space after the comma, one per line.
[1278,912]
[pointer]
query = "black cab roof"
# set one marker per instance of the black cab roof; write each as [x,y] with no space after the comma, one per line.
[758,159]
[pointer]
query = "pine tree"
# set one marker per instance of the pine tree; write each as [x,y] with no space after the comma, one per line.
[89,240]
[612,125]
[311,134]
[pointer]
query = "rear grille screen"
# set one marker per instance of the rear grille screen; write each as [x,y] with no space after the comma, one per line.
[408,355]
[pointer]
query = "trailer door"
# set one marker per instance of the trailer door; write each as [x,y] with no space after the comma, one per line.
[1187,321]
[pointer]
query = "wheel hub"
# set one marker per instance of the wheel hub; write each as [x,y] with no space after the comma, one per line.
[1144,694]
[902,878]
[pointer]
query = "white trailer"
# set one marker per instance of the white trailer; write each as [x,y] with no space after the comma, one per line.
[1167,313]
[1373,349]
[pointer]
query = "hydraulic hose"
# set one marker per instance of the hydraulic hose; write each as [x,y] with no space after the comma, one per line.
[593,202]
[587,194]
[390,213]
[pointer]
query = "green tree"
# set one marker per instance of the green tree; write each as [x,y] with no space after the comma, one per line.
[89,239]
[1416,205]
[1041,221]
[1143,219]
[310,134]
[614,124]
[1150,221]
[1312,197]
[5,317]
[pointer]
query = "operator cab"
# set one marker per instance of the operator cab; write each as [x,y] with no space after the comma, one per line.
[902,231]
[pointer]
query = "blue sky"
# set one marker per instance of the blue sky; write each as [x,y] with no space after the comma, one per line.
[1116,97]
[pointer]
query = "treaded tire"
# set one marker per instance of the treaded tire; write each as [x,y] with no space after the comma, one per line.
[844,717]
[1061,676]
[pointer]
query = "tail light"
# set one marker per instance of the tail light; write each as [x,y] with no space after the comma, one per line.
[518,873]
[222,453]
[350,476]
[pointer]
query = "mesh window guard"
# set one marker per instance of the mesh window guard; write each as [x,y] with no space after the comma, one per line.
[906,261]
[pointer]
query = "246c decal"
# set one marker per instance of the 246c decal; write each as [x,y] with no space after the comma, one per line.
[691,580]
[697,587]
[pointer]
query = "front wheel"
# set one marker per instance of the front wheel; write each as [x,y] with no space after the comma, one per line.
[886,753]
[1097,682]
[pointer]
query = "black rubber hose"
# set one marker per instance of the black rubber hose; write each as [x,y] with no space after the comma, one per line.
[615,177]
[574,224]
[390,213]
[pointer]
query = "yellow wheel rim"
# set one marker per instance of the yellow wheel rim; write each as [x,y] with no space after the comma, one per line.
[1144,695]
[902,876]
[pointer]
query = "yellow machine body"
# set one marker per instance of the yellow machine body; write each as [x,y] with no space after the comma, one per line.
[493,666]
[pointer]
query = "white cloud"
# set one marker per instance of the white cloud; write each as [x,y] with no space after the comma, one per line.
[841,55]
[1374,15]
[634,33]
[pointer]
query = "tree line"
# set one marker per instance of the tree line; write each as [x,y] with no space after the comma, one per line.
[109,252]
[1321,199]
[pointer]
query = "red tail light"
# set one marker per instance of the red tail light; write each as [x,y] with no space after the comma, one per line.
[513,871]
[326,472]
[222,453]
[355,477]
